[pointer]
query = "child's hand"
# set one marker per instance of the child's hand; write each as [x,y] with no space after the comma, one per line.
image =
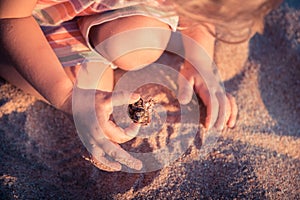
[104,102]
[199,49]
[98,132]
[221,106]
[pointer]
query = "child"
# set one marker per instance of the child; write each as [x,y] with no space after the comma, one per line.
[38,37]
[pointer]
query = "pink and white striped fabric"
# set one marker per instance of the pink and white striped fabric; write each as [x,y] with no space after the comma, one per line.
[66,23]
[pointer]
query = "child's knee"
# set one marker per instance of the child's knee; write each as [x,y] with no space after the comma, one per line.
[136,48]
[138,58]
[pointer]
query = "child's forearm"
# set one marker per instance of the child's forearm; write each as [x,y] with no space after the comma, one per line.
[26,49]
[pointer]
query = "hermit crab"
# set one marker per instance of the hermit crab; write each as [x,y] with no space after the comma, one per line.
[141,111]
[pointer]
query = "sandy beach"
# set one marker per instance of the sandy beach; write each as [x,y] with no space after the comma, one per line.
[41,156]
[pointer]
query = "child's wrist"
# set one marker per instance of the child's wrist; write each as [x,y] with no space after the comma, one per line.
[66,105]
[62,99]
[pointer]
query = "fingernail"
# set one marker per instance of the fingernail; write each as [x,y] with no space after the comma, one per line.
[208,125]
[138,165]
[131,135]
[135,96]
[133,130]
[231,124]
[183,100]
[115,167]
[220,128]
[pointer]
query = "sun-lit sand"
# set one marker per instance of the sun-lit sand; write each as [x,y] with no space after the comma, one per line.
[41,156]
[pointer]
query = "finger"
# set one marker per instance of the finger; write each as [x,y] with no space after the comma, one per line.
[99,165]
[105,164]
[132,130]
[221,120]
[117,134]
[122,156]
[124,97]
[212,111]
[185,89]
[228,111]
[212,105]
[99,160]
[234,111]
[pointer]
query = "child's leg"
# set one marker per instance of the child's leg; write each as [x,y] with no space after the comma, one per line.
[97,35]
[135,58]
[101,32]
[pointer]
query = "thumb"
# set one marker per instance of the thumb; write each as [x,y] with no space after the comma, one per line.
[124,97]
[185,89]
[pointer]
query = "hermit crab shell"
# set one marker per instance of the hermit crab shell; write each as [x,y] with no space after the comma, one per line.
[140,111]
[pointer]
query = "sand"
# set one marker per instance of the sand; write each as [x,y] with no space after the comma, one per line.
[41,154]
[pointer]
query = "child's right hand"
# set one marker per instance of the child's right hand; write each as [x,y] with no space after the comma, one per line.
[99,134]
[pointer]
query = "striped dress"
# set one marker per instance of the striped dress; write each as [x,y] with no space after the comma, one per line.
[66,23]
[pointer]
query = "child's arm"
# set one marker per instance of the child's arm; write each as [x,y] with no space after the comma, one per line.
[25,48]
[199,48]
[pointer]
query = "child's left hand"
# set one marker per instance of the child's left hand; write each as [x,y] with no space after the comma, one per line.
[221,106]
[199,49]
